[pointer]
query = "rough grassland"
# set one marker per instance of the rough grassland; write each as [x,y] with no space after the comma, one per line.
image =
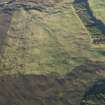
[40,39]
[52,40]
[98,7]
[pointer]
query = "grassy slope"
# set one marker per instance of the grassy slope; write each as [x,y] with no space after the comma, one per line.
[52,41]
[98,7]
[40,42]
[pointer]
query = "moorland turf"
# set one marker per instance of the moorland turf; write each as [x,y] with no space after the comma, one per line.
[46,54]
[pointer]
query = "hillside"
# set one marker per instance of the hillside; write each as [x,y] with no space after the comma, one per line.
[98,8]
[48,37]
[51,52]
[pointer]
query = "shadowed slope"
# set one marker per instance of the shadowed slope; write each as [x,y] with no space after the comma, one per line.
[50,40]
[95,95]
[95,26]
[5,21]
[49,89]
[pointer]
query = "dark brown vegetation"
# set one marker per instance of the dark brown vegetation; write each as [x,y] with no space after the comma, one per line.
[49,89]
[5,21]
[33,1]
